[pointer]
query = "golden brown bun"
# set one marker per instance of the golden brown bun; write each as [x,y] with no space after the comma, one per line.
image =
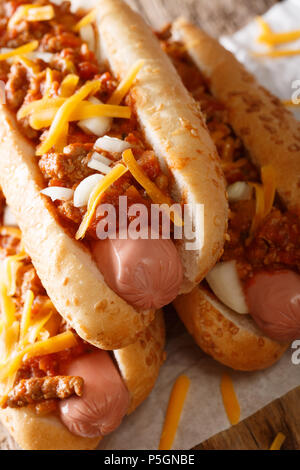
[139,365]
[230,338]
[269,131]
[174,126]
[32,432]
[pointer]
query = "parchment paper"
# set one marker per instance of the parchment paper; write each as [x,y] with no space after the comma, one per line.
[203,414]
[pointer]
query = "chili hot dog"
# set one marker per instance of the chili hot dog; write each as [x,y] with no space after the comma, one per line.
[87,131]
[258,273]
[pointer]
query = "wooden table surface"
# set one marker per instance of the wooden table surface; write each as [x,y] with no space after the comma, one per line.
[224,17]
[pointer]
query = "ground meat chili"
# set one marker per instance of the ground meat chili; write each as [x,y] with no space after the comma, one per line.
[70,55]
[42,394]
[276,242]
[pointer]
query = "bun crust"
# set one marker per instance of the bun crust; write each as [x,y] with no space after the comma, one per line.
[174,126]
[33,432]
[268,130]
[139,366]
[230,338]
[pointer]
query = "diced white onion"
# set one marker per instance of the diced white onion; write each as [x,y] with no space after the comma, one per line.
[87,34]
[45,56]
[239,191]
[84,189]
[111,144]
[97,125]
[101,158]
[9,218]
[58,193]
[224,281]
[98,165]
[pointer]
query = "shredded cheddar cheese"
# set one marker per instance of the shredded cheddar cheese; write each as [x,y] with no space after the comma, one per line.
[266,29]
[155,194]
[36,327]
[43,118]
[31,13]
[277,53]
[264,197]
[48,82]
[102,186]
[174,410]
[28,64]
[274,39]
[29,336]
[126,83]
[271,38]
[278,441]
[7,307]
[87,19]
[230,400]
[38,105]
[57,131]
[26,317]
[40,348]
[52,345]
[68,85]
[25,49]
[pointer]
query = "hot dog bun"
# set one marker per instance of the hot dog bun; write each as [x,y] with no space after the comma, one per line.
[139,366]
[230,338]
[268,130]
[175,128]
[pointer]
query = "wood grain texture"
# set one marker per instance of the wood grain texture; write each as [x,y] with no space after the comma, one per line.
[224,17]
[215,16]
[258,431]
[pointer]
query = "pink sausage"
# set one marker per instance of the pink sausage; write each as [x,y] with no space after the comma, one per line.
[274,303]
[105,398]
[145,273]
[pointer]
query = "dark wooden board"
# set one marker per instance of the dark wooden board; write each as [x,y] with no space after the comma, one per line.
[224,17]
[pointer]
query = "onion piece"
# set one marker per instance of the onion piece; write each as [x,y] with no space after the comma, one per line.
[224,281]
[101,158]
[45,56]
[111,144]
[87,34]
[98,165]
[84,189]
[58,192]
[9,218]
[97,125]
[239,191]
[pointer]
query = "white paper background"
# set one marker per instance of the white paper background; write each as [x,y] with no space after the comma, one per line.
[203,414]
